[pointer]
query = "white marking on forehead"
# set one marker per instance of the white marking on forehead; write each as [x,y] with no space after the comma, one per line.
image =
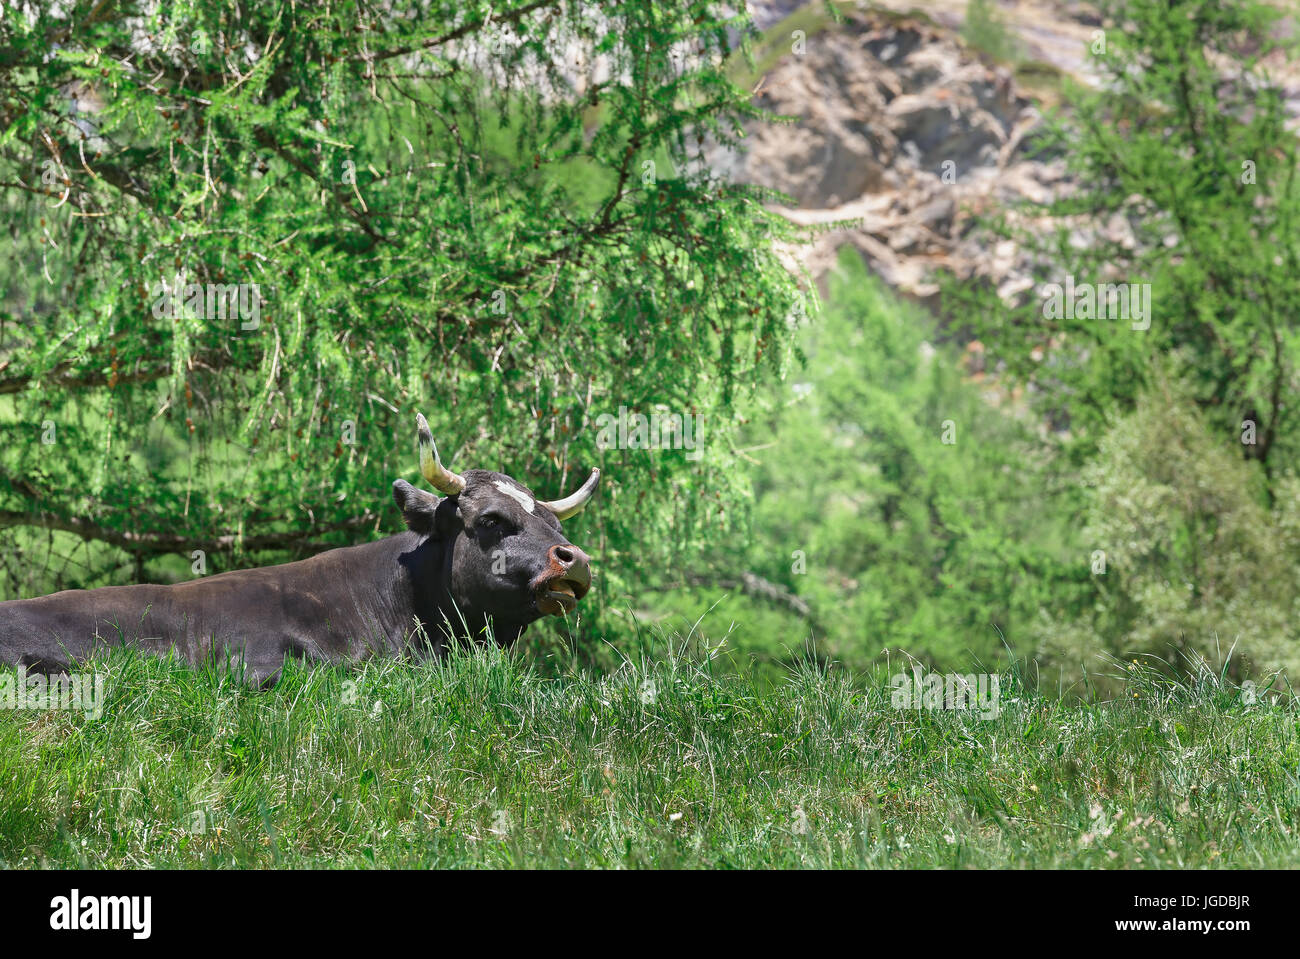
[519,495]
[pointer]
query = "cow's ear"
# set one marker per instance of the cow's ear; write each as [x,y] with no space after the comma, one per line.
[447,520]
[417,506]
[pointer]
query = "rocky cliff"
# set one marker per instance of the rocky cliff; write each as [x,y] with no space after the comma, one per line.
[905,127]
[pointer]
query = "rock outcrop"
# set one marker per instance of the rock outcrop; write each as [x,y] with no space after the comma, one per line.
[906,130]
[904,127]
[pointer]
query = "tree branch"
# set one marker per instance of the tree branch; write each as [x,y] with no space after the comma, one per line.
[751,584]
[154,544]
[472,26]
[62,375]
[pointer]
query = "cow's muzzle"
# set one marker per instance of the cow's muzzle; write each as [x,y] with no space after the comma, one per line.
[566,579]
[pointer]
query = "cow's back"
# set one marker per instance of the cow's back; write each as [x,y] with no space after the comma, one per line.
[50,632]
[329,607]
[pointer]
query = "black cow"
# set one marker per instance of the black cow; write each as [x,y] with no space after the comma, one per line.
[488,551]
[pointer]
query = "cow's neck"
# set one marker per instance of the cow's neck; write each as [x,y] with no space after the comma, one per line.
[426,562]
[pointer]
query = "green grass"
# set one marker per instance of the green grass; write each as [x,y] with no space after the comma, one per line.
[776,41]
[477,761]
[986,31]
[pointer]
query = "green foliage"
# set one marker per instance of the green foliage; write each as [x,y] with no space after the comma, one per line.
[1194,565]
[477,762]
[1182,151]
[985,30]
[444,207]
[1183,433]
[458,215]
[892,536]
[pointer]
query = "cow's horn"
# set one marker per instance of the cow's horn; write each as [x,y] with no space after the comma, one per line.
[571,505]
[441,478]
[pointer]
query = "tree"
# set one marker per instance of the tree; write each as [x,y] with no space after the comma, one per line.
[251,240]
[895,505]
[1185,180]
[1190,566]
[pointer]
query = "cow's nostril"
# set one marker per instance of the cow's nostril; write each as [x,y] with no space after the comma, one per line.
[568,571]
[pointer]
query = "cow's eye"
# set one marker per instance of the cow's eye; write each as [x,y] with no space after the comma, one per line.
[493,521]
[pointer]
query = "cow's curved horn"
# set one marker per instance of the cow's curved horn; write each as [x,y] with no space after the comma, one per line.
[441,478]
[571,505]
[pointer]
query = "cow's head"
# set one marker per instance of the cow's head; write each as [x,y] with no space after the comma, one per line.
[505,556]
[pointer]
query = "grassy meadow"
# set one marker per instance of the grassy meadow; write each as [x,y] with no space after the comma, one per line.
[480,761]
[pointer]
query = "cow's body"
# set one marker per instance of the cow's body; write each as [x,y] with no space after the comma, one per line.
[344,604]
[488,552]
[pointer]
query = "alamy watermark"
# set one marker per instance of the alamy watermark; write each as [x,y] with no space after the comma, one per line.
[208,301]
[75,912]
[1098,301]
[658,431]
[980,692]
[83,691]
